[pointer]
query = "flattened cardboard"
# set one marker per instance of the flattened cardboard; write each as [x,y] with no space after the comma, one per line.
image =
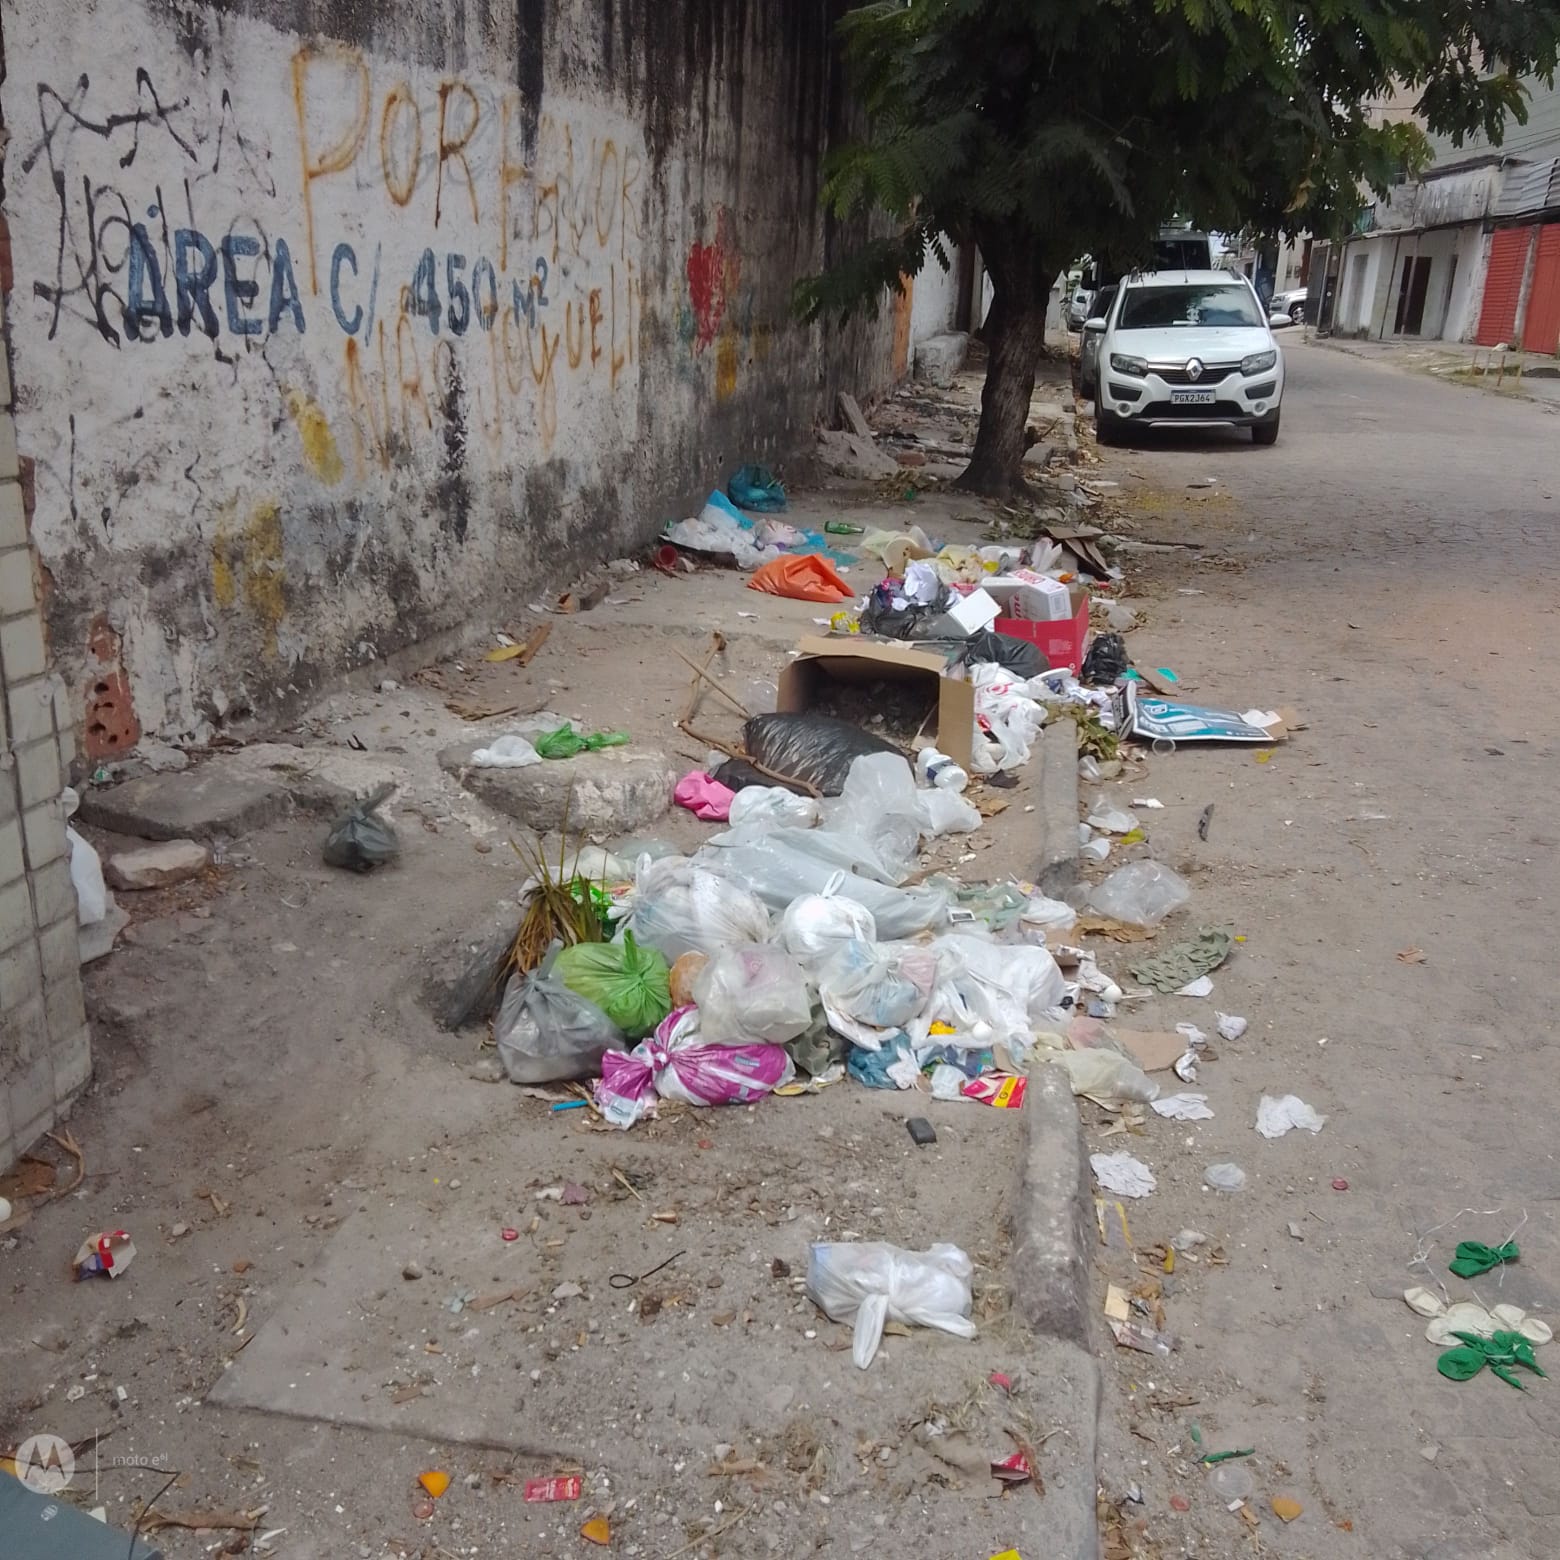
[864,660]
[1154,1050]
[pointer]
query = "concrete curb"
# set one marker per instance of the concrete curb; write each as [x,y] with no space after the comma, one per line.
[1057,866]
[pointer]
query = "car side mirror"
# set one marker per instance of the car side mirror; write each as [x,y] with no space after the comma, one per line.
[1097,323]
[1279,321]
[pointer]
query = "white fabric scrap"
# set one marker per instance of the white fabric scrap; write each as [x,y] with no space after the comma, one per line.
[1201,987]
[1122,1174]
[1231,1027]
[1276,1117]
[1184,1107]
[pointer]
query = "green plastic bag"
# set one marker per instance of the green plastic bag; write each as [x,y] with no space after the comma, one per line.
[565,742]
[630,984]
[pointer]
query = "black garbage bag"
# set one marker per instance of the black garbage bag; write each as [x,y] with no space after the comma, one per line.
[1106,661]
[815,748]
[739,774]
[360,839]
[1021,657]
[912,621]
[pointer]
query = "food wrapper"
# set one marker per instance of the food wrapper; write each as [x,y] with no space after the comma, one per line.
[109,1251]
[993,1089]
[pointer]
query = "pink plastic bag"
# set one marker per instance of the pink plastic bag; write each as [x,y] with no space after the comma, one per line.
[676,1065]
[704,797]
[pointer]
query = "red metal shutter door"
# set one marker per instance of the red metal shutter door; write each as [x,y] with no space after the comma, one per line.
[1541,330]
[1503,285]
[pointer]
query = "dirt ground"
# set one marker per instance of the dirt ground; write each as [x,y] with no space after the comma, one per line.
[287,1134]
[1388,569]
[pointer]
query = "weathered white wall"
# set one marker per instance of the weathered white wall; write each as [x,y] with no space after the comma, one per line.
[934,302]
[329,334]
[1473,262]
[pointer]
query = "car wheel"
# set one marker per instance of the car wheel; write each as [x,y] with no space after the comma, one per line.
[1264,432]
[1297,313]
[1108,427]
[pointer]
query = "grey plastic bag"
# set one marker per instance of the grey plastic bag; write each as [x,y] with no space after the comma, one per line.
[360,839]
[547,1033]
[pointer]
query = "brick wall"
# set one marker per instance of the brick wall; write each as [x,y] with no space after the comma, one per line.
[45,1054]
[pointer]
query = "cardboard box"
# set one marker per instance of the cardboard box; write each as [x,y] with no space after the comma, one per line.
[1060,643]
[856,660]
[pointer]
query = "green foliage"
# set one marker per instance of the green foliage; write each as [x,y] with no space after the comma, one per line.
[1046,129]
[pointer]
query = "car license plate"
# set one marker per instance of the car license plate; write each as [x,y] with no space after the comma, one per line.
[1191,398]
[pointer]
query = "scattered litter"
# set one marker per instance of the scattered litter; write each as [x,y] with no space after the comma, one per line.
[435,1481]
[1191,1034]
[1230,1026]
[1340,1185]
[1275,1117]
[1107,1076]
[1154,1050]
[1122,1174]
[802,577]
[1500,1353]
[508,752]
[1295,1231]
[564,1487]
[704,797]
[596,1531]
[1188,1240]
[547,1032]
[1474,1257]
[110,1252]
[1286,1510]
[1134,1335]
[869,1284]
[1186,1067]
[1184,1107]
[360,839]
[921,1131]
[1225,1177]
[1411,956]
[1175,970]
[630,984]
[1142,893]
[1204,821]
[1152,803]
[757,488]
[1013,1470]
[1003,1093]
[1160,720]
[566,742]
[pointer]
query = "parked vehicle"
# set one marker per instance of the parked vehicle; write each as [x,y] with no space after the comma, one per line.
[1089,352]
[1291,303]
[1078,309]
[1187,349]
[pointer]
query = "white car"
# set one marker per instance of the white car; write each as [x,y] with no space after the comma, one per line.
[1188,349]
[1078,307]
[1292,303]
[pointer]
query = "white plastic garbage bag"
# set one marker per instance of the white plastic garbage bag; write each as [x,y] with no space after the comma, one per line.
[868,1283]
[940,812]
[752,993]
[86,871]
[509,752]
[772,804]
[678,907]
[814,927]
[865,992]
[547,1033]
[1008,714]
[879,806]
[1106,1075]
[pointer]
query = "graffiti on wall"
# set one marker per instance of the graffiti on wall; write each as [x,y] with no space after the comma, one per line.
[718,311]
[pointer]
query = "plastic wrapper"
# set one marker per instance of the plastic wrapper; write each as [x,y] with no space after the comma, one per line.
[990,992]
[1006,714]
[816,748]
[757,488]
[680,907]
[360,839]
[865,992]
[86,876]
[566,742]
[759,806]
[547,1033]
[752,993]
[879,806]
[868,1284]
[630,984]
[677,1064]
[816,926]
[508,752]
[945,812]
[1142,893]
[704,797]
[1103,1074]
[779,866]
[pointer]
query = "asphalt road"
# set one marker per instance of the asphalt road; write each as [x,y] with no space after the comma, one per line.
[1389,570]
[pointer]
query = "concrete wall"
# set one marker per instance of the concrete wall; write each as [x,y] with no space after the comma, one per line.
[934,303]
[45,1054]
[336,324]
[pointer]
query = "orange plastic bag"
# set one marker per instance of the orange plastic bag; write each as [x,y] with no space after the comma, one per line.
[804,577]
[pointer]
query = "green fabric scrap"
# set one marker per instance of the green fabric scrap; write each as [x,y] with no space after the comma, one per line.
[1473,1257]
[1175,967]
[1500,1353]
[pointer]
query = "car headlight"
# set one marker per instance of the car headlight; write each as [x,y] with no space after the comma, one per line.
[1258,362]
[1136,367]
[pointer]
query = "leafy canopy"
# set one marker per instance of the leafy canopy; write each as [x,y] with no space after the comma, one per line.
[1046,129]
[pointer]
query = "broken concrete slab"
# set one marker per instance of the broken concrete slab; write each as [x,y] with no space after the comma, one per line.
[611,792]
[1039,456]
[157,866]
[850,455]
[938,359]
[202,804]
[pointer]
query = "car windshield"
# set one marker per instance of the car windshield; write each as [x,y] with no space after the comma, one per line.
[1153,308]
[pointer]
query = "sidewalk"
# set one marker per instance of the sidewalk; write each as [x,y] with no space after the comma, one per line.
[1523,375]
[354,1241]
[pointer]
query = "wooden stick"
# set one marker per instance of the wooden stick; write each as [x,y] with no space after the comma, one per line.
[701,673]
[734,752]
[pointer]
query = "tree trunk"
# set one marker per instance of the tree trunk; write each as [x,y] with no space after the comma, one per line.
[1015,335]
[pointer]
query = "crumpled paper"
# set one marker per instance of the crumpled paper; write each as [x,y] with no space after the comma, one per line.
[1275,1117]
[1122,1174]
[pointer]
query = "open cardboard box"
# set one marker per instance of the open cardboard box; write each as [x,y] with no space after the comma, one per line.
[819,660]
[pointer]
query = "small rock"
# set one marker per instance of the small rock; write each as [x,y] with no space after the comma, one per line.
[910,457]
[412,1270]
[455,1184]
[567,1292]
[488,1070]
[156,866]
[1296,1231]
[180,1229]
[389,685]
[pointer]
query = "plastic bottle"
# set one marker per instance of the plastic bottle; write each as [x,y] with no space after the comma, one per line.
[934,768]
